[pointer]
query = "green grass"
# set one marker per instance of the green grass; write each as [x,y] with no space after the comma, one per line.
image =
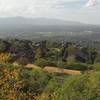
[96,66]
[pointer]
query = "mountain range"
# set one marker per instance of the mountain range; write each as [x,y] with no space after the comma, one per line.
[21,24]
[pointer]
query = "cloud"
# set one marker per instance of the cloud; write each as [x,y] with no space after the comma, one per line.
[29,7]
[64,9]
[92,3]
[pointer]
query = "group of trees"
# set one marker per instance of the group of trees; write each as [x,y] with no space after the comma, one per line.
[25,51]
[20,50]
[82,54]
[18,83]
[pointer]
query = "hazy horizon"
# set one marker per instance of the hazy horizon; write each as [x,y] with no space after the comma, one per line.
[84,11]
[49,18]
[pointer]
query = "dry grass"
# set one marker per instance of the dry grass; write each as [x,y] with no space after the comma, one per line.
[32,66]
[50,69]
[59,70]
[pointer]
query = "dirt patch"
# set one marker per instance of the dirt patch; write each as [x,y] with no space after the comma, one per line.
[59,70]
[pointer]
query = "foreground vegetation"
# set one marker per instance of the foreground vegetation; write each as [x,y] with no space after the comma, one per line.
[18,82]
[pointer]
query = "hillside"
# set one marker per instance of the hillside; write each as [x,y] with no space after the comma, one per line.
[47,70]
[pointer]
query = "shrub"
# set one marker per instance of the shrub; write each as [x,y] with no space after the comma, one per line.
[34,81]
[78,66]
[5,58]
[23,61]
[62,64]
[84,87]
[21,83]
[96,66]
[41,62]
[3,46]
[50,89]
[73,66]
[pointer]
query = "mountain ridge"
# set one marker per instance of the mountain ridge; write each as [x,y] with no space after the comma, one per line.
[37,21]
[21,24]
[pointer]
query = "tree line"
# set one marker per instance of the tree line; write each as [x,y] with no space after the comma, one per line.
[26,51]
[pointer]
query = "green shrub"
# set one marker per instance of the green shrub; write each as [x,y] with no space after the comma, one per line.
[84,87]
[23,61]
[78,66]
[53,85]
[96,66]
[34,81]
[5,58]
[73,66]
[62,64]
[41,62]
[50,89]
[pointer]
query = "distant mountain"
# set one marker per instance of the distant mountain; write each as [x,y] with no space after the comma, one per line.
[20,24]
[35,21]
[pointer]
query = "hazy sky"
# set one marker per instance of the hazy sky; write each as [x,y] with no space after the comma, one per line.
[87,11]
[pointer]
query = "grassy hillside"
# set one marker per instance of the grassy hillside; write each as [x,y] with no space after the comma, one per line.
[19,83]
[46,70]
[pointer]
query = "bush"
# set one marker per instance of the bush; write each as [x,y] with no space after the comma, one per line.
[41,62]
[7,83]
[3,46]
[62,64]
[20,83]
[73,66]
[34,81]
[84,87]
[5,58]
[23,61]
[96,66]
[78,66]
[50,89]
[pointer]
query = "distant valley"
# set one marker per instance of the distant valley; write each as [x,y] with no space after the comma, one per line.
[44,28]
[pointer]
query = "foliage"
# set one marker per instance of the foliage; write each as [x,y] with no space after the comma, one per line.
[50,90]
[2,46]
[20,83]
[41,62]
[5,58]
[23,61]
[78,66]
[34,81]
[22,48]
[84,87]
[96,66]
[73,66]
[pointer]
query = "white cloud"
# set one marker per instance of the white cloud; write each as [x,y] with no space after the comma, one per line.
[26,7]
[15,7]
[92,3]
[48,8]
[23,7]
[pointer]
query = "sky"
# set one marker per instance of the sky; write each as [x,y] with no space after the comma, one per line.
[85,11]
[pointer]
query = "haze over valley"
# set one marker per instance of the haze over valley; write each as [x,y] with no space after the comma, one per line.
[34,28]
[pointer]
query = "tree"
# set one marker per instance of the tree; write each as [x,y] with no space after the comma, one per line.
[5,58]
[64,52]
[93,56]
[4,46]
[41,50]
[22,48]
